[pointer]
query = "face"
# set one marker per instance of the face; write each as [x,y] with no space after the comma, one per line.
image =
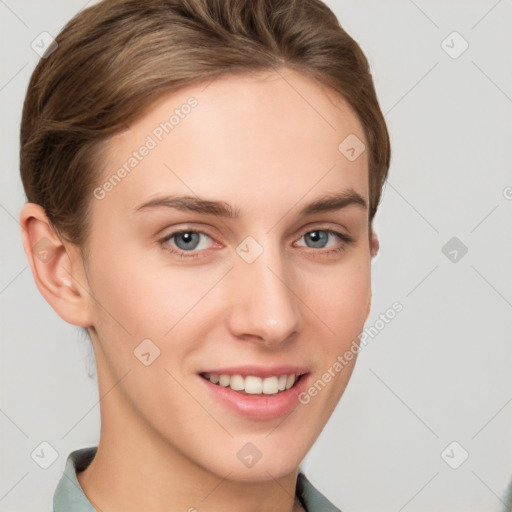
[222,295]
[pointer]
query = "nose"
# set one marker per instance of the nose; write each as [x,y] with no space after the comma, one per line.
[263,305]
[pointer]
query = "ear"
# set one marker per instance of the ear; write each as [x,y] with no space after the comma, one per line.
[374,249]
[374,243]
[57,267]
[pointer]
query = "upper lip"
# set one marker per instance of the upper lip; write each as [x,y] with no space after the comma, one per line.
[259,371]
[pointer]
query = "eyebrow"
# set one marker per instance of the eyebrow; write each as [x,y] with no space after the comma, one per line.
[326,203]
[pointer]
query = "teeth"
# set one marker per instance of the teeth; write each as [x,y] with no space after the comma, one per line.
[251,384]
[290,381]
[224,380]
[237,383]
[270,386]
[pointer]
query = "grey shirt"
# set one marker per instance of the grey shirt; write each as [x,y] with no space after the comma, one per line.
[69,497]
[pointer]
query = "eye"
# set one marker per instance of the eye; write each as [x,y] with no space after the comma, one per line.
[325,239]
[186,241]
[318,238]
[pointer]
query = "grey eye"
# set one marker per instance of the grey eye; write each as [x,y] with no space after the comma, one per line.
[188,240]
[317,238]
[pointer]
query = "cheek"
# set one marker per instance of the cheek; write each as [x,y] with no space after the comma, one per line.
[341,300]
[136,298]
[342,310]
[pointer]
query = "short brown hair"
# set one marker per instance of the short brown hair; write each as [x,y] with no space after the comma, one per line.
[116,58]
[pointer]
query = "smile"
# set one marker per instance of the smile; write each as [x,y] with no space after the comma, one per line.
[252,384]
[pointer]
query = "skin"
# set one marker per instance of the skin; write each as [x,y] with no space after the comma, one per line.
[255,143]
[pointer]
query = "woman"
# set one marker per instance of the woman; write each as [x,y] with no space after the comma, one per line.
[202,177]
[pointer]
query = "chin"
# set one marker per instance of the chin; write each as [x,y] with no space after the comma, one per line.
[259,460]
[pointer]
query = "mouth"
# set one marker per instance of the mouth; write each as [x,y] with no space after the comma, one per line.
[253,384]
[256,392]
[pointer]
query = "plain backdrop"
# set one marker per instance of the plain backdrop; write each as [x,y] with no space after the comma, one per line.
[425,422]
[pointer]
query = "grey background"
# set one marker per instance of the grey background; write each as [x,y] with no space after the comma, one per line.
[439,372]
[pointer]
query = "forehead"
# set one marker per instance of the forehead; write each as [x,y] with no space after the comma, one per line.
[264,139]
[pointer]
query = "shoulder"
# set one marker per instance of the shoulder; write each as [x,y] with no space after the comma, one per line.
[508,498]
[312,499]
[68,496]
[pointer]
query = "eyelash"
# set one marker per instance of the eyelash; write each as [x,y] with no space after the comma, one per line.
[346,240]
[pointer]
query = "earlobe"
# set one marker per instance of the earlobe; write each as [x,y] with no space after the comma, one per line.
[53,267]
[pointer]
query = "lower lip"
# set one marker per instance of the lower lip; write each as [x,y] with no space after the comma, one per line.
[259,407]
